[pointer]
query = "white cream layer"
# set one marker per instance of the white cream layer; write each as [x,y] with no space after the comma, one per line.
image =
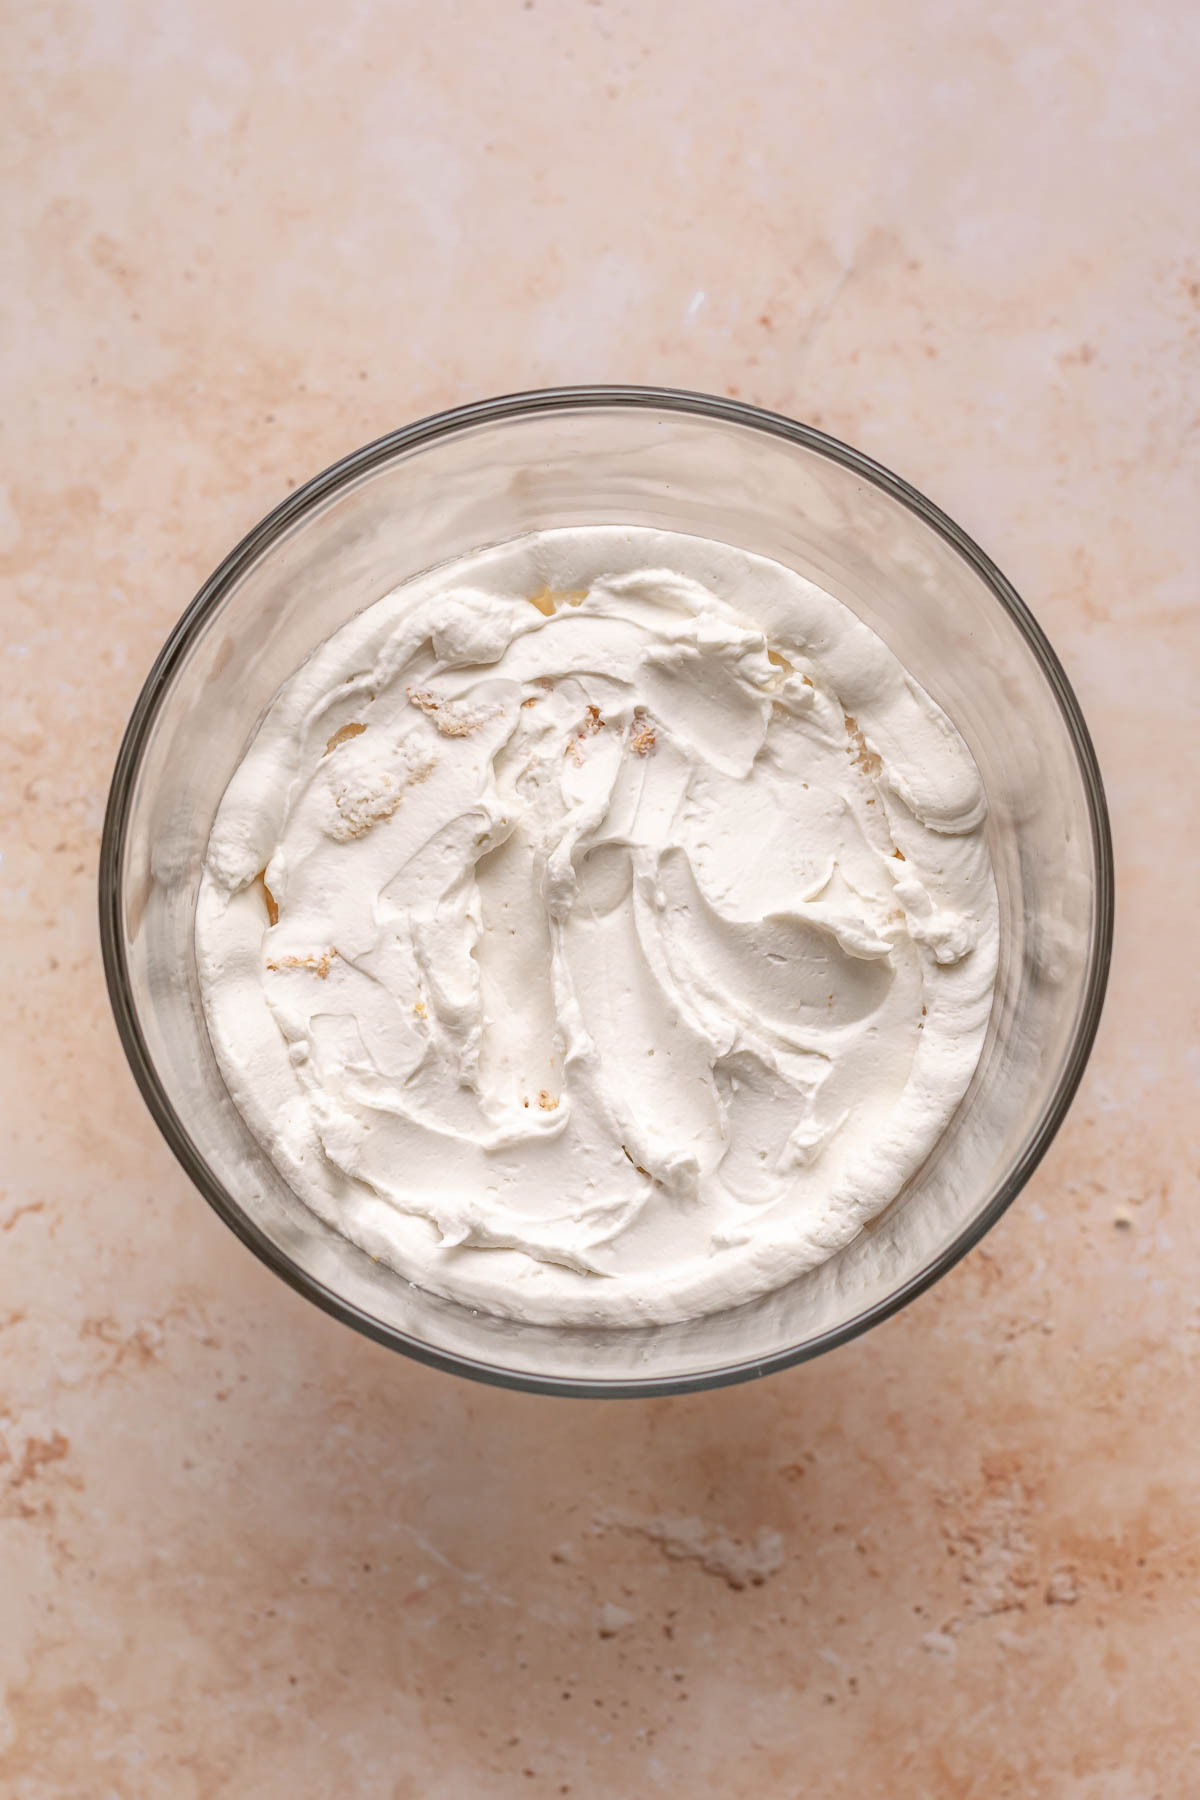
[635,936]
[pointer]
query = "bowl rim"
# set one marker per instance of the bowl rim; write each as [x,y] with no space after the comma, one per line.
[271,528]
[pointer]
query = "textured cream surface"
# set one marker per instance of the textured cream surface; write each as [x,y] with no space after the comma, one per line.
[573,949]
[242,1551]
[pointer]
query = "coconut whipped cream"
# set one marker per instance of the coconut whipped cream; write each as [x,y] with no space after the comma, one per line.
[601,928]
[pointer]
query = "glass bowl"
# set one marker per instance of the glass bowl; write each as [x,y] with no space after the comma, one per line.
[683,462]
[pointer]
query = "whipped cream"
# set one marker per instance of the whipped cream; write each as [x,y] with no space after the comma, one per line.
[600,929]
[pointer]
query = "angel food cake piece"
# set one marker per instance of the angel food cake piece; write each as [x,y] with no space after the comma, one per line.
[600,929]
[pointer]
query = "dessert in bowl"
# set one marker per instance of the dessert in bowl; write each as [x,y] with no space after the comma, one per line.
[607,890]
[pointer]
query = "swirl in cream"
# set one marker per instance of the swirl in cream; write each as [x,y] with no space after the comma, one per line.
[601,929]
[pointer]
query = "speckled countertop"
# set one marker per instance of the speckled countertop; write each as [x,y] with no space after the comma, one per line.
[244,1553]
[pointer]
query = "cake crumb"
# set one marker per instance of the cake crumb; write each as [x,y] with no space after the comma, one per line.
[319,965]
[358,812]
[546,1100]
[859,751]
[268,896]
[343,734]
[445,716]
[548,600]
[591,725]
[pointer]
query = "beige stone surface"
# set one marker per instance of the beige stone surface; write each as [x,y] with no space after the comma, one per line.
[243,1552]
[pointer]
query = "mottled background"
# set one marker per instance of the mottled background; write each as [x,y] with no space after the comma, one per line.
[245,1553]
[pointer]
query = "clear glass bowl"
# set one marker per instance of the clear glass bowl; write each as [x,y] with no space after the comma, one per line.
[684,462]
